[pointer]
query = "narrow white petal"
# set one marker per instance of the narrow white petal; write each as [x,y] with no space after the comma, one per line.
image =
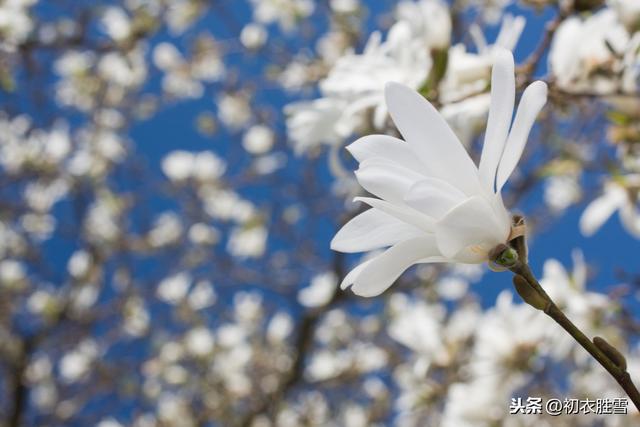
[372,229]
[533,99]
[431,138]
[563,54]
[383,270]
[503,92]
[630,218]
[472,226]
[353,274]
[433,197]
[387,147]
[380,116]
[554,275]
[510,31]
[503,216]
[361,104]
[402,212]
[600,209]
[387,180]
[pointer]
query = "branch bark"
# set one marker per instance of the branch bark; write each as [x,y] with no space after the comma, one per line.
[19,390]
[303,345]
[612,360]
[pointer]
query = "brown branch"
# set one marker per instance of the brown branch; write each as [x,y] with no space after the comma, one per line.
[303,344]
[617,371]
[514,258]
[531,63]
[557,92]
[19,390]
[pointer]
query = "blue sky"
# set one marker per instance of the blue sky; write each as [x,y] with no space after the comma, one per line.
[173,128]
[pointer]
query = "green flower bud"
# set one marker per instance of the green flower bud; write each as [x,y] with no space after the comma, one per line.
[503,256]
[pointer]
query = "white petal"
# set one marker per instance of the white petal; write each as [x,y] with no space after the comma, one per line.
[353,274]
[403,213]
[533,99]
[554,275]
[387,147]
[503,216]
[564,53]
[431,138]
[600,209]
[630,218]
[386,180]
[361,104]
[471,229]
[433,197]
[510,31]
[383,270]
[372,229]
[503,92]
[380,116]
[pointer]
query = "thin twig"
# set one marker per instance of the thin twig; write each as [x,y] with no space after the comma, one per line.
[619,373]
[303,345]
[19,389]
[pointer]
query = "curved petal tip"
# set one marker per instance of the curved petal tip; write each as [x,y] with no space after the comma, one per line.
[502,57]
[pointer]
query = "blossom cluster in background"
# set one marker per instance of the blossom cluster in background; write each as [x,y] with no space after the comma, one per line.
[172,173]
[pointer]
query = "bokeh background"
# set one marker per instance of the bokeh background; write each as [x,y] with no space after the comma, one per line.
[172,172]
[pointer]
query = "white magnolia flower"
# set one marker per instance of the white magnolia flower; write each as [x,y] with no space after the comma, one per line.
[504,334]
[468,73]
[116,23]
[434,204]
[199,341]
[279,328]
[109,422]
[253,36]
[419,326]
[77,362]
[15,23]
[490,10]
[344,6]
[628,12]
[321,121]
[258,139]
[467,117]
[174,288]
[585,53]
[234,110]
[615,197]
[319,291]
[354,87]
[204,166]
[285,12]
[355,84]
[561,191]
[429,20]
[360,78]
[568,290]
[202,295]
[248,241]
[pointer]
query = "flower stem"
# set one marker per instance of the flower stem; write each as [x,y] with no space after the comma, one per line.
[617,371]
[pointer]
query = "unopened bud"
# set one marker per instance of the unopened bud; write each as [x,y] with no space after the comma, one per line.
[611,352]
[504,256]
[528,293]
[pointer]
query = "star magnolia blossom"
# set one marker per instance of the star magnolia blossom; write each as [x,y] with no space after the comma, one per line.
[434,204]
[617,196]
